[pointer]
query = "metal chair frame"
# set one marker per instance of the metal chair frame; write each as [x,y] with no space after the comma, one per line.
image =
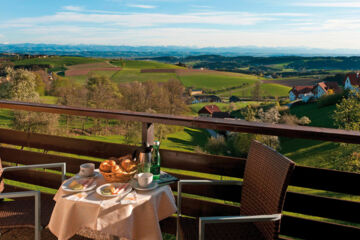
[217,219]
[35,194]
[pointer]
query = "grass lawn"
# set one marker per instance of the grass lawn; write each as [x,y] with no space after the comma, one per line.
[186,140]
[311,152]
[137,64]
[214,81]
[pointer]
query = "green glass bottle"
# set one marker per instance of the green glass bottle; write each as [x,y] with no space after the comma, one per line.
[155,163]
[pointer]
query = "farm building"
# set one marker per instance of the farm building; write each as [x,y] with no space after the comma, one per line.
[324,88]
[221,115]
[208,110]
[352,81]
[301,92]
[305,93]
[194,92]
[206,98]
[234,99]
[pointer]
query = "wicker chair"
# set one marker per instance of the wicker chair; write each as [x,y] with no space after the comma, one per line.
[266,178]
[22,211]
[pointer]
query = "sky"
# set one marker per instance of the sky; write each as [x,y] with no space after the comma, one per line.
[195,23]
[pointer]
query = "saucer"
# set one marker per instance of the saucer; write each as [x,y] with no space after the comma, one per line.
[151,186]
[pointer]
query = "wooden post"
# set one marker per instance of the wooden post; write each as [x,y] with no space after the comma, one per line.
[147,134]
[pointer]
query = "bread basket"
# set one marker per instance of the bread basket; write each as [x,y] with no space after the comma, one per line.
[123,176]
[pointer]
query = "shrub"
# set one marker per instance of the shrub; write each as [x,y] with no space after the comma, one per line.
[328,100]
[216,145]
[293,120]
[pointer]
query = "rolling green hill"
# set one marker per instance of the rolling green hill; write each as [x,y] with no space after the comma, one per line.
[137,64]
[58,62]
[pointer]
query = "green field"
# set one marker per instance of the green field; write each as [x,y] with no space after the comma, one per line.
[276,90]
[214,81]
[130,75]
[82,79]
[58,62]
[137,64]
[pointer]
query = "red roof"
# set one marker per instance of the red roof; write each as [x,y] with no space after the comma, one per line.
[301,89]
[329,85]
[334,86]
[354,78]
[209,109]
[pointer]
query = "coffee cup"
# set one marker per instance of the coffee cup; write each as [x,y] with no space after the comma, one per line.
[87,169]
[145,179]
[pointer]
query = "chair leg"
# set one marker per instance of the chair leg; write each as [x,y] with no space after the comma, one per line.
[201,230]
[38,216]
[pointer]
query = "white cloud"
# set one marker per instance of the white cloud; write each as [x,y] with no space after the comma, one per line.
[147,19]
[141,6]
[193,37]
[329,4]
[73,8]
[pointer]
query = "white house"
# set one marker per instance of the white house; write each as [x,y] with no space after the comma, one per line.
[352,81]
[323,88]
[305,93]
[301,92]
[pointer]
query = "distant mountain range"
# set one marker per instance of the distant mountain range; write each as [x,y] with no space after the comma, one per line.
[176,51]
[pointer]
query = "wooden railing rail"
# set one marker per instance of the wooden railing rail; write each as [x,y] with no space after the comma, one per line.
[325,134]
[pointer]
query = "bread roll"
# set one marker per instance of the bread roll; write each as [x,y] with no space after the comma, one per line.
[128,165]
[105,166]
[116,169]
[112,163]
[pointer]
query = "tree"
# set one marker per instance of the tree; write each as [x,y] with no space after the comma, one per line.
[23,88]
[256,93]
[102,92]
[347,116]
[347,113]
[248,113]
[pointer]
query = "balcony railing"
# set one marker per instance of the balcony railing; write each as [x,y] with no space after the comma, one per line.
[306,216]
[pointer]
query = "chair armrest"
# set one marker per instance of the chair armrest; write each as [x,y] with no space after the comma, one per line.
[37,196]
[234,219]
[196,182]
[46,165]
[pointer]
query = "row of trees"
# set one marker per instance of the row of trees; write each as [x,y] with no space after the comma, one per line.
[98,92]
[101,92]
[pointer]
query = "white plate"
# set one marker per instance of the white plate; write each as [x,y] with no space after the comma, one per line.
[151,186]
[65,186]
[116,185]
[94,175]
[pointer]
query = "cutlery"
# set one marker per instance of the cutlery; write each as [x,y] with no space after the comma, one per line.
[122,197]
